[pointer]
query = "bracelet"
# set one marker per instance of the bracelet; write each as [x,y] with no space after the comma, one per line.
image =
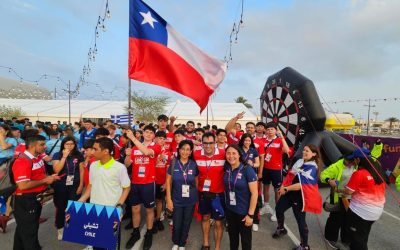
[285,189]
[251,216]
[118,205]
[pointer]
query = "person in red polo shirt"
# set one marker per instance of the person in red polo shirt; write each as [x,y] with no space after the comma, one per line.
[271,165]
[234,133]
[30,176]
[210,161]
[162,122]
[143,158]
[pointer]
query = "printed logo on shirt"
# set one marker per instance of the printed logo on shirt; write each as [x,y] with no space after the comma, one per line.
[190,171]
[142,160]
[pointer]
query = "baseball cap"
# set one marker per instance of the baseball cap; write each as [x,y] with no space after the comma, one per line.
[358,153]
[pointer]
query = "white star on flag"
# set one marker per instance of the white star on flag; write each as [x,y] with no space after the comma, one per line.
[147,18]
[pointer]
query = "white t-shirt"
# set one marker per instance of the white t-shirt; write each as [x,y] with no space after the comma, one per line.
[107,182]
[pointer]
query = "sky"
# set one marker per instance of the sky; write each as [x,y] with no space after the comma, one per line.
[349,48]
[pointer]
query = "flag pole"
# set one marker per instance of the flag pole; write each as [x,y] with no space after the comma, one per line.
[207,115]
[130,103]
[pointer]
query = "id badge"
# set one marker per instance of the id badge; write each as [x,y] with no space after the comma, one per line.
[70,180]
[207,185]
[232,198]
[268,157]
[185,191]
[142,171]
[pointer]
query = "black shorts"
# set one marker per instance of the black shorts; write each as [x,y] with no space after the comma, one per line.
[272,176]
[143,194]
[160,194]
[205,204]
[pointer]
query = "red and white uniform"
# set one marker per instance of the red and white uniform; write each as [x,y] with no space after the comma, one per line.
[169,141]
[21,149]
[144,166]
[259,143]
[234,138]
[273,154]
[368,199]
[25,170]
[190,136]
[163,161]
[212,169]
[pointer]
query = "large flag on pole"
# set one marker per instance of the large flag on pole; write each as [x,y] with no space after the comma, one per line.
[161,56]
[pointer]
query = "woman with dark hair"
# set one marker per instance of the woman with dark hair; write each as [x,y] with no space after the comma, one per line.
[299,191]
[181,186]
[241,193]
[66,163]
[251,157]
[367,187]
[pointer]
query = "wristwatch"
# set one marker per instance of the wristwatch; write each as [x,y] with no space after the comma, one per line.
[251,216]
[285,189]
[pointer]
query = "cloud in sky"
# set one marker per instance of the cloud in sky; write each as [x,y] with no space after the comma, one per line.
[350,49]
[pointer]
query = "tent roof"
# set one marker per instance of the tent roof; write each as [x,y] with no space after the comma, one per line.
[103,109]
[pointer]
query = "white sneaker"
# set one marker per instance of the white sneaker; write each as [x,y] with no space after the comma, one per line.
[266,209]
[273,217]
[88,248]
[175,247]
[181,248]
[60,233]
[162,216]
[171,222]
[255,227]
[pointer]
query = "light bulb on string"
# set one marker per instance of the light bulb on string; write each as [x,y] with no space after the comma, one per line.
[103,27]
[108,14]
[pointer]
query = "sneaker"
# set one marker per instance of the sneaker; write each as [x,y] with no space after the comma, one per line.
[162,217]
[279,232]
[301,247]
[332,244]
[129,225]
[266,209]
[273,217]
[135,236]
[205,248]
[160,226]
[60,233]
[175,247]
[148,240]
[88,248]
[181,248]
[255,227]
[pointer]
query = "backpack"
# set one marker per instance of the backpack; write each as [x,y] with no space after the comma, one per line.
[7,183]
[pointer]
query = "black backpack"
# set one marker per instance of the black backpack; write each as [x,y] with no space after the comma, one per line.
[8,185]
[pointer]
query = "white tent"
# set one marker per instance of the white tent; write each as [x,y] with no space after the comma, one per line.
[54,110]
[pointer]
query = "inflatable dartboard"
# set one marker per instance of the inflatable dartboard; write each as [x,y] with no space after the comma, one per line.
[290,100]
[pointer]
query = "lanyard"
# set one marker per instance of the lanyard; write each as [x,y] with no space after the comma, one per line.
[184,171]
[247,155]
[66,163]
[209,165]
[230,179]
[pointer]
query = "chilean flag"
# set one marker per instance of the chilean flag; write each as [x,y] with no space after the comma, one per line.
[308,177]
[161,56]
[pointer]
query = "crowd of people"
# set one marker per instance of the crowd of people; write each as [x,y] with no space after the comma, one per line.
[221,175]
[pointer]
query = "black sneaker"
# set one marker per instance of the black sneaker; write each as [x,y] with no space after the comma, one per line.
[160,226]
[135,236]
[129,225]
[279,232]
[148,240]
[205,248]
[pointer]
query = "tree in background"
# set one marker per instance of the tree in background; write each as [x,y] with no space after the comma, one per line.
[147,108]
[8,112]
[391,120]
[243,100]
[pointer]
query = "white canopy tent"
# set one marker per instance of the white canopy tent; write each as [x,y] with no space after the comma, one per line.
[57,110]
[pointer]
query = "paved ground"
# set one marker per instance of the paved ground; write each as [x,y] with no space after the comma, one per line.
[384,234]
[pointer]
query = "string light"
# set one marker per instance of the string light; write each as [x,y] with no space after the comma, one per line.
[233,37]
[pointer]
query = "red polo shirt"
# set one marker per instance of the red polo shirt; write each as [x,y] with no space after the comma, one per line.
[26,170]
[211,168]
[144,166]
